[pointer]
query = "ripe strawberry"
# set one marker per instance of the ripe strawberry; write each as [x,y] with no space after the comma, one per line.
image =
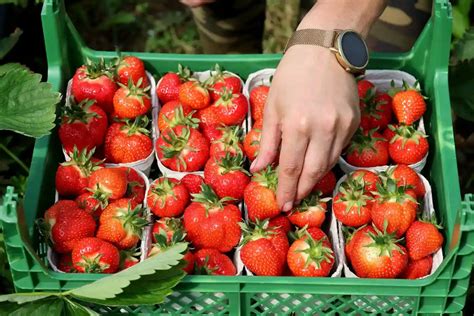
[417,268]
[51,214]
[131,69]
[121,223]
[351,235]
[311,212]
[193,183]
[408,105]
[173,114]
[231,109]
[131,101]
[167,197]
[228,142]
[111,183]
[222,80]
[194,95]
[210,223]
[363,87]
[365,178]
[260,197]
[65,263]
[129,141]
[252,141]
[351,204]
[423,239]
[406,176]
[258,98]
[408,146]
[93,81]
[376,110]
[136,186]
[83,125]
[326,184]
[226,175]
[212,262]
[389,133]
[168,86]
[93,255]
[182,149]
[128,258]
[72,177]
[168,226]
[92,203]
[377,254]
[311,255]
[281,222]
[367,149]
[263,249]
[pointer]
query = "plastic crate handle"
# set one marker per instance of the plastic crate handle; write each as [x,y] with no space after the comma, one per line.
[8,207]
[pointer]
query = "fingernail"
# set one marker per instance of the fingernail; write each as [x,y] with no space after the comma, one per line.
[254,163]
[288,206]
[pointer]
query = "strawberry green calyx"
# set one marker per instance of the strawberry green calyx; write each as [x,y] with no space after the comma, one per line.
[209,199]
[230,163]
[136,125]
[132,219]
[405,87]
[177,142]
[164,190]
[352,193]
[162,242]
[389,191]
[97,69]
[135,90]
[231,135]
[83,160]
[385,242]
[406,133]
[256,230]
[184,73]
[312,200]
[267,177]
[180,119]
[361,142]
[93,265]
[316,251]
[78,112]
[226,97]
[205,269]
[217,75]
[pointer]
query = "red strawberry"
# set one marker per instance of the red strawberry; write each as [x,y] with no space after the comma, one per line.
[417,268]
[93,255]
[92,203]
[194,95]
[406,176]
[228,142]
[264,249]
[351,236]
[121,223]
[167,197]
[131,68]
[222,80]
[168,86]
[376,110]
[363,87]
[128,142]
[260,197]
[311,255]
[423,239]
[408,105]
[281,222]
[326,184]
[351,204]
[136,186]
[227,176]
[389,133]
[173,114]
[72,177]
[168,225]
[212,262]
[93,81]
[310,213]
[110,182]
[367,149]
[128,258]
[83,126]
[193,183]
[252,141]
[408,146]
[131,101]
[182,149]
[65,263]
[210,223]
[231,109]
[51,214]
[258,98]
[377,255]
[365,178]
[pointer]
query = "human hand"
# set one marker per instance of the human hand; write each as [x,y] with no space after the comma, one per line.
[196,3]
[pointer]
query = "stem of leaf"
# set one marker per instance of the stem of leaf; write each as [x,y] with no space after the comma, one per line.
[15,158]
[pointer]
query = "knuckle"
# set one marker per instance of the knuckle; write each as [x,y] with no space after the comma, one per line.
[290,171]
[315,173]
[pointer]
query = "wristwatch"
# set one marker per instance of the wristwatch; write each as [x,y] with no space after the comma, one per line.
[348,46]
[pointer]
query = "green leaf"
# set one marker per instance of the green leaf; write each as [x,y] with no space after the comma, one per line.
[464,6]
[111,286]
[464,47]
[460,23]
[27,105]
[461,81]
[76,309]
[50,306]
[22,3]
[21,298]
[7,43]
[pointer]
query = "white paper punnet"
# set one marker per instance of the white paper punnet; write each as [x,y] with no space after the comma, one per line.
[255,79]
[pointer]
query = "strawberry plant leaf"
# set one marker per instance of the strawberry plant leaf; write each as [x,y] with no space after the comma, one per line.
[464,48]
[27,105]
[7,43]
[51,306]
[461,80]
[21,298]
[76,309]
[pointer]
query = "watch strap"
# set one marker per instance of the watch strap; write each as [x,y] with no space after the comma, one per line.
[324,38]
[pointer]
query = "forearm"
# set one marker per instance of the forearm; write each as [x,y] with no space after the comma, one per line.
[344,14]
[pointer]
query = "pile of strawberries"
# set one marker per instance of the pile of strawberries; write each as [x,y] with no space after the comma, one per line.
[96,224]
[377,211]
[108,111]
[379,140]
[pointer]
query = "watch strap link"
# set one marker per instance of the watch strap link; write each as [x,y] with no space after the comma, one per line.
[324,38]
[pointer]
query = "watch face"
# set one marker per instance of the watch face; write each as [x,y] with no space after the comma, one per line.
[353,49]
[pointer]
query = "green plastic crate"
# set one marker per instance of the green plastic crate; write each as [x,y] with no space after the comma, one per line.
[443,292]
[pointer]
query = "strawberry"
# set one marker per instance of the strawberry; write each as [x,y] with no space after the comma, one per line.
[258,98]
[193,183]
[93,255]
[228,142]
[136,186]
[406,176]
[211,223]
[389,133]
[423,239]
[351,235]
[92,203]
[281,222]
[194,95]
[131,69]
[363,87]
[168,225]
[376,110]
[263,249]
[365,178]
[231,109]
[408,105]
[51,214]
[72,177]
[226,175]
[351,204]
[128,258]
[168,86]
[311,255]
[128,141]
[260,197]
[377,254]
[173,114]
[65,263]
[252,141]
[167,197]
[417,268]
[131,100]
[94,81]
[311,212]
[83,125]
[182,149]
[121,223]
[212,262]
[326,184]
[367,149]
[408,146]
[111,183]
[222,80]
